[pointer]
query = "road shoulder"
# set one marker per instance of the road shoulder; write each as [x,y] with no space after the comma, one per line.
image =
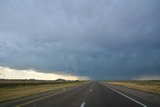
[19,101]
[149,99]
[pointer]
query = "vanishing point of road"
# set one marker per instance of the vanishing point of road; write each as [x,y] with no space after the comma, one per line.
[92,94]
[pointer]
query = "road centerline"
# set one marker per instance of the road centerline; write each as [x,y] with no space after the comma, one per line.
[83,104]
[90,90]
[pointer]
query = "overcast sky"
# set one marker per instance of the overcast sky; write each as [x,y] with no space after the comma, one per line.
[101,39]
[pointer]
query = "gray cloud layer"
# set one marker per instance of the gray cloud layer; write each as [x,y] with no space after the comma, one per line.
[102,39]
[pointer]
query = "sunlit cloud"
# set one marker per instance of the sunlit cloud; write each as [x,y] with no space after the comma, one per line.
[101,39]
[8,73]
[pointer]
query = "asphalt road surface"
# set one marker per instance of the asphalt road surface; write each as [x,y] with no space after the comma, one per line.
[93,94]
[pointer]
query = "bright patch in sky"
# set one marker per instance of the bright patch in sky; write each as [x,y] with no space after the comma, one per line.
[100,39]
[8,73]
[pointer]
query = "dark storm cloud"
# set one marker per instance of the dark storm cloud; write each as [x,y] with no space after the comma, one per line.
[102,39]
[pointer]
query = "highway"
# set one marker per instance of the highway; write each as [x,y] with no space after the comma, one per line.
[92,94]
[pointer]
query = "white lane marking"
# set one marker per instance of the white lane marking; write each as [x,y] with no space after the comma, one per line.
[20,105]
[90,90]
[127,96]
[83,104]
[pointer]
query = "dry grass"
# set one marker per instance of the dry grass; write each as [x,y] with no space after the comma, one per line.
[149,86]
[10,93]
